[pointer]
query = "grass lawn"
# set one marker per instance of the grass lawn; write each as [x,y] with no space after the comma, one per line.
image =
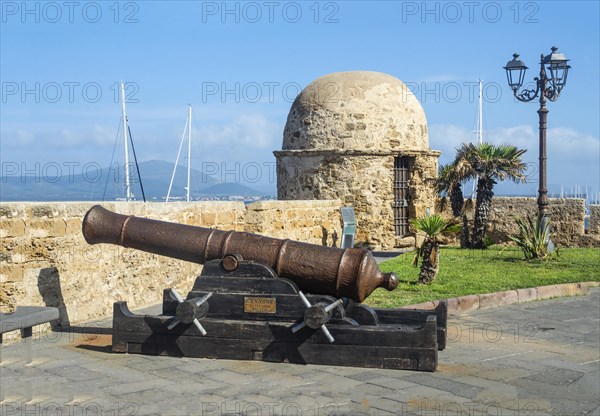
[468,272]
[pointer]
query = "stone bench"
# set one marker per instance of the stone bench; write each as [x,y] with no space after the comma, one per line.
[24,318]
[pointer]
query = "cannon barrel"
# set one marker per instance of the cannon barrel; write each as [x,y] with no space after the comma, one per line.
[351,272]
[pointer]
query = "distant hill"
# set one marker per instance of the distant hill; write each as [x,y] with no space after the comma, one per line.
[230,189]
[93,186]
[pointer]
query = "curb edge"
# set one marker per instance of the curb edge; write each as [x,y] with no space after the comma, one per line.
[468,303]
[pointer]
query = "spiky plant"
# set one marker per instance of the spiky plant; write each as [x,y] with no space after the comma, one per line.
[432,226]
[533,238]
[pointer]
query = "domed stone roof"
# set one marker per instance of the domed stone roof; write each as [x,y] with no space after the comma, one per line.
[359,110]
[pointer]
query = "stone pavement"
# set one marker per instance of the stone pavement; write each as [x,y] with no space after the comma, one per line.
[538,358]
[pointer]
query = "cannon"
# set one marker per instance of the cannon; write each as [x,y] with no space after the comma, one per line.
[350,273]
[262,298]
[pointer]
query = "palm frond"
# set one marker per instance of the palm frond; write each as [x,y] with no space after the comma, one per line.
[435,225]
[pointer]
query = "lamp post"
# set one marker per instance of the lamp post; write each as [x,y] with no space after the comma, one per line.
[546,87]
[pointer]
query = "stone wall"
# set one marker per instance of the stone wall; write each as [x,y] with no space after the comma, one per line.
[567,219]
[594,224]
[317,222]
[363,180]
[44,259]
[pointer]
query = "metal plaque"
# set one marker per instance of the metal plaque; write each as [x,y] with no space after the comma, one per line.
[349,229]
[260,305]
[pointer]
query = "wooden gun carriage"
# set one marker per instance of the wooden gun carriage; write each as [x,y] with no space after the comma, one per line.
[261,298]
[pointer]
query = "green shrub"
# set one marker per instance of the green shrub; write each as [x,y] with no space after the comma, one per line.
[533,238]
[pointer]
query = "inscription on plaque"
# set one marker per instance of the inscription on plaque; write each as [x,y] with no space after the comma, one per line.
[260,305]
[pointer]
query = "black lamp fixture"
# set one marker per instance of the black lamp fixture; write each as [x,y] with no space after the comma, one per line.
[515,72]
[546,87]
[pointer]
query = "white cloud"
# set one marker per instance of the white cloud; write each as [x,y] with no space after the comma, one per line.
[24,137]
[573,156]
[572,146]
[249,131]
[566,143]
[247,137]
[67,137]
[103,135]
[448,137]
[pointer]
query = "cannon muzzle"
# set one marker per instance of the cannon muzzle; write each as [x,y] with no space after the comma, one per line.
[351,272]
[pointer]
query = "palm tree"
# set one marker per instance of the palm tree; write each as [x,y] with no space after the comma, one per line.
[448,182]
[433,226]
[488,164]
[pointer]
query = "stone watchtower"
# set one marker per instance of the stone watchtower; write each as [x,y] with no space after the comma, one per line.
[361,137]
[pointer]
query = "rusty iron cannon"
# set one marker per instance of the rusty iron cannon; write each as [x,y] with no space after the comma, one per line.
[351,273]
[262,298]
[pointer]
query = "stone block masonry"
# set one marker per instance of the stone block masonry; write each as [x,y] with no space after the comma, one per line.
[594,224]
[567,220]
[360,137]
[45,261]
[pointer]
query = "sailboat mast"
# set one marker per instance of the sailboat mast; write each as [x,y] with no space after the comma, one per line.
[189,164]
[480,127]
[128,195]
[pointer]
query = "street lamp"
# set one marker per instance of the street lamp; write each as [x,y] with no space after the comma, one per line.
[546,87]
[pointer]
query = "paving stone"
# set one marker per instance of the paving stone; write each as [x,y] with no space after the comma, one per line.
[49,363]
[545,356]
[391,383]
[251,368]
[229,377]
[365,375]
[153,363]
[595,412]
[75,373]
[201,403]
[490,388]
[8,374]
[368,407]
[240,392]
[122,389]
[539,391]
[392,406]
[371,390]
[124,374]
[439,383]
[348,371]
[560,363]
[150,395]
[281,379]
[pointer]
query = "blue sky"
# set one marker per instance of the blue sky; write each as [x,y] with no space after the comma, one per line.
[241,64]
